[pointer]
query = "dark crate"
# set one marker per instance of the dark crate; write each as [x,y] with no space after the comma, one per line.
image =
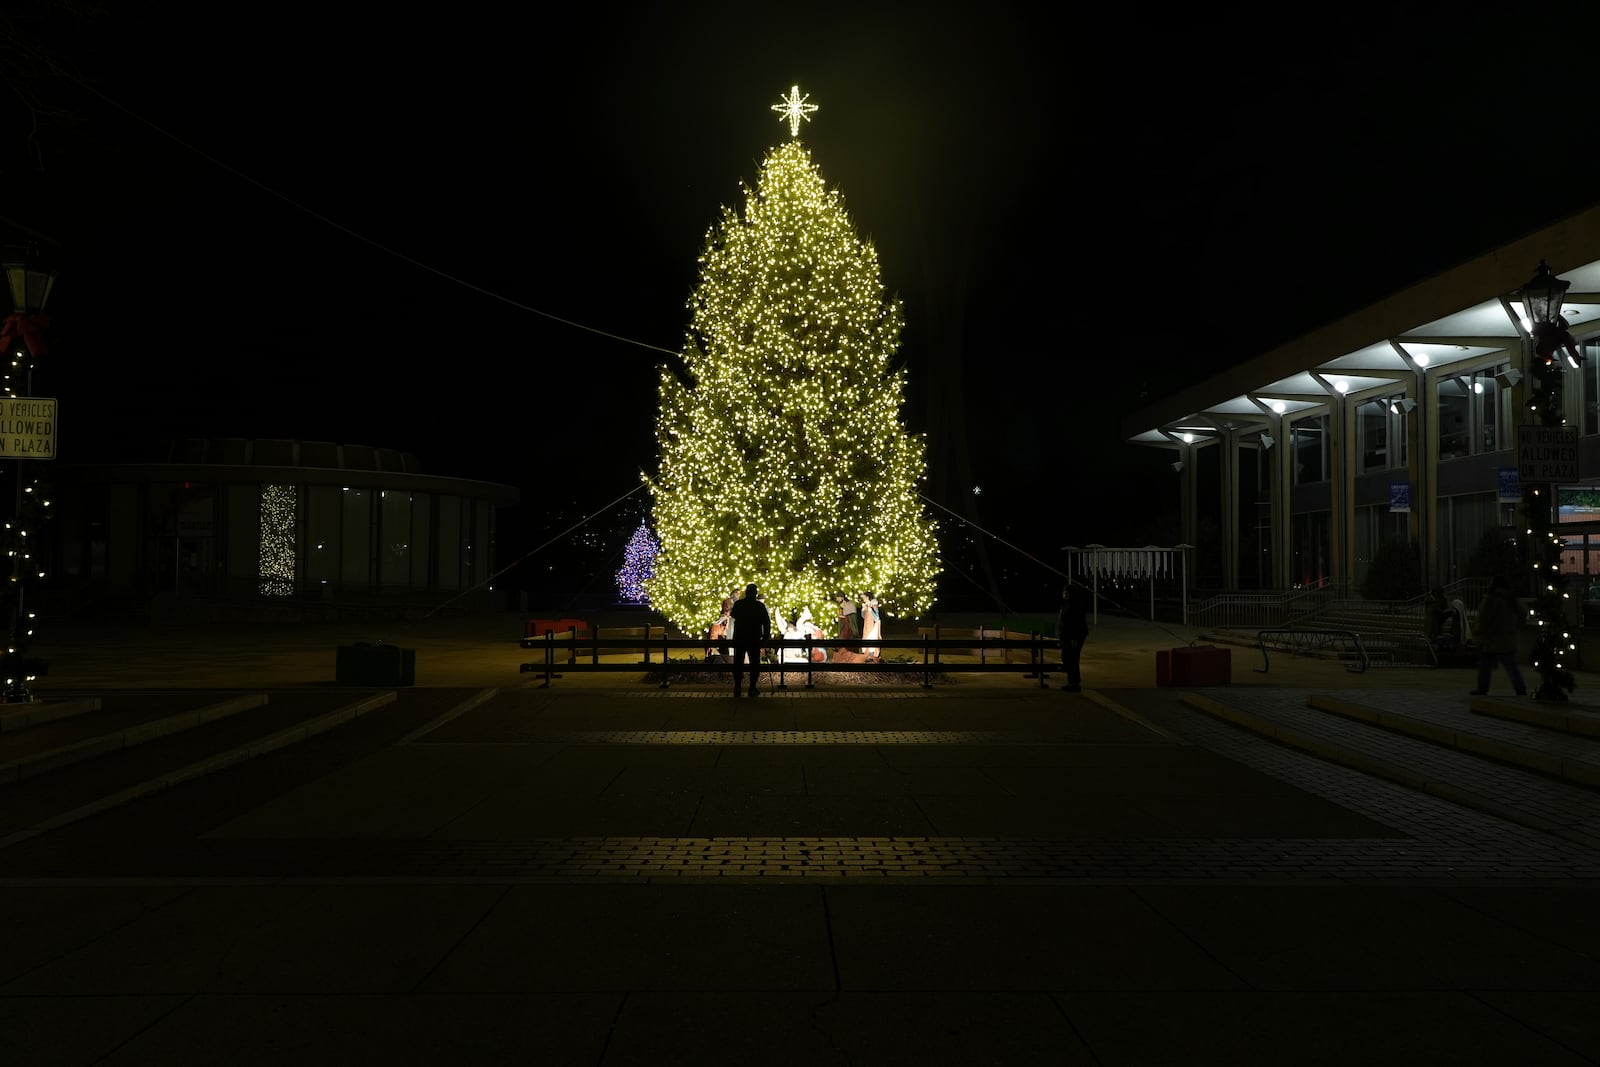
[1195,665]
[376,664]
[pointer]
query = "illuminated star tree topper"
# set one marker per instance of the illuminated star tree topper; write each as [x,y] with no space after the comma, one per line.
[794,108]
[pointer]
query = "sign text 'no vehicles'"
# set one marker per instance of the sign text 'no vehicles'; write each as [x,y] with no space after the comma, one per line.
[27,428]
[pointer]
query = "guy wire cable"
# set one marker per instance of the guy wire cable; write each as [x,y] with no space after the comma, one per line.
[1113,602]
[581,522]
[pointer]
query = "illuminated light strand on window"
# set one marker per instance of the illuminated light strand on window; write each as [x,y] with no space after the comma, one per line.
[279,514]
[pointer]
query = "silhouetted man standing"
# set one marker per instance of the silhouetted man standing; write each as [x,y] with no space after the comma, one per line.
[1072,628]
[752,628]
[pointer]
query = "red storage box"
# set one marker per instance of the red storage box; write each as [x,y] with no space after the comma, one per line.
[1194,665]
[1202,665]
[540,627]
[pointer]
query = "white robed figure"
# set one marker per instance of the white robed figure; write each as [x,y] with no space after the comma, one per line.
[792,632]
[871,624]
[804,628]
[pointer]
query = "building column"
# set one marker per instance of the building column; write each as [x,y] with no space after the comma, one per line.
[1341,482]
[1189,494]
[1422,464]
[1228,442]
[1426,505]
[1188,486]
[1281,476]
[1280,479]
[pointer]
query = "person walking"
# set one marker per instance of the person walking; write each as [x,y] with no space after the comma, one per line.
[1497,636]
[752,629]
[1072,629]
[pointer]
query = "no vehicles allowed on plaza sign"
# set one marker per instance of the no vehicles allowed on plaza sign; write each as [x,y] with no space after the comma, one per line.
[27,427]
[1547,453]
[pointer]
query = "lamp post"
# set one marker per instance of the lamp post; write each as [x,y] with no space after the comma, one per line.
[23,335]
[1541,302]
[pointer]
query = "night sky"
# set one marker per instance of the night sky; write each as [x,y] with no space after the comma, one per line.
[331,226]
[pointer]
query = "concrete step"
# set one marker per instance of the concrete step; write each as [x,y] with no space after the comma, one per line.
[1464,776]
[34,805]
[21,716]
[1558,717]
[130,719]
[1571,758]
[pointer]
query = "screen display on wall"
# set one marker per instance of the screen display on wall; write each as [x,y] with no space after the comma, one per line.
[1578,503]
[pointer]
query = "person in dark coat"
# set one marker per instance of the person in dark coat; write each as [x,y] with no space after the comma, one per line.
[849,623]
[1498,616]
[1072,629]
[1434,609]
[752,629]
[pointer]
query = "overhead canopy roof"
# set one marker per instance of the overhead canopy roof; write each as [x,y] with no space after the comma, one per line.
[1461,316]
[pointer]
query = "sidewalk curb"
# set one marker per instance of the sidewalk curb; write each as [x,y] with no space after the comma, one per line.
[1581,723]
[216,761]
[476,700]
[1132,716]
[1493,748]
[22,716]
[78,751]
[1378,768]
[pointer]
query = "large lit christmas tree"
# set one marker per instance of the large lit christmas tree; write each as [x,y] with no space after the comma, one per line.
[783,460]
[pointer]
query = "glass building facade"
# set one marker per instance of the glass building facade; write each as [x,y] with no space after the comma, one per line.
[334,525]
[1399,421]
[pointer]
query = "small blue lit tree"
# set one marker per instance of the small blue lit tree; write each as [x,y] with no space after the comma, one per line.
[638,564]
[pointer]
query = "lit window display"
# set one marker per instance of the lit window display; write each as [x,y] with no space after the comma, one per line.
[279,507]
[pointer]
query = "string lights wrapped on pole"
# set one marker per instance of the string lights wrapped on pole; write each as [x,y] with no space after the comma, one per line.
[28,431]
[1553,350]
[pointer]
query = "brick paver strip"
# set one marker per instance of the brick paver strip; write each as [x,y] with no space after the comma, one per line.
[792,689]
[1446,841]
[791,737]
[970,859]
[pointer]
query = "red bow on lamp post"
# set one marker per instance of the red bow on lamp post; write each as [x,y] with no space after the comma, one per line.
[1554,338]
[30,328]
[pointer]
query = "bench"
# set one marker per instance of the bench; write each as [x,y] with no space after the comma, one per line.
[540,627]
[984,636]
[578,639]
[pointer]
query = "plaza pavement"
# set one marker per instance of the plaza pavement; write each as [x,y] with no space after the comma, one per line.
[1304,866]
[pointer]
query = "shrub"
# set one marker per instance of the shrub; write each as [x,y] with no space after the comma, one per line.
[1396,571]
